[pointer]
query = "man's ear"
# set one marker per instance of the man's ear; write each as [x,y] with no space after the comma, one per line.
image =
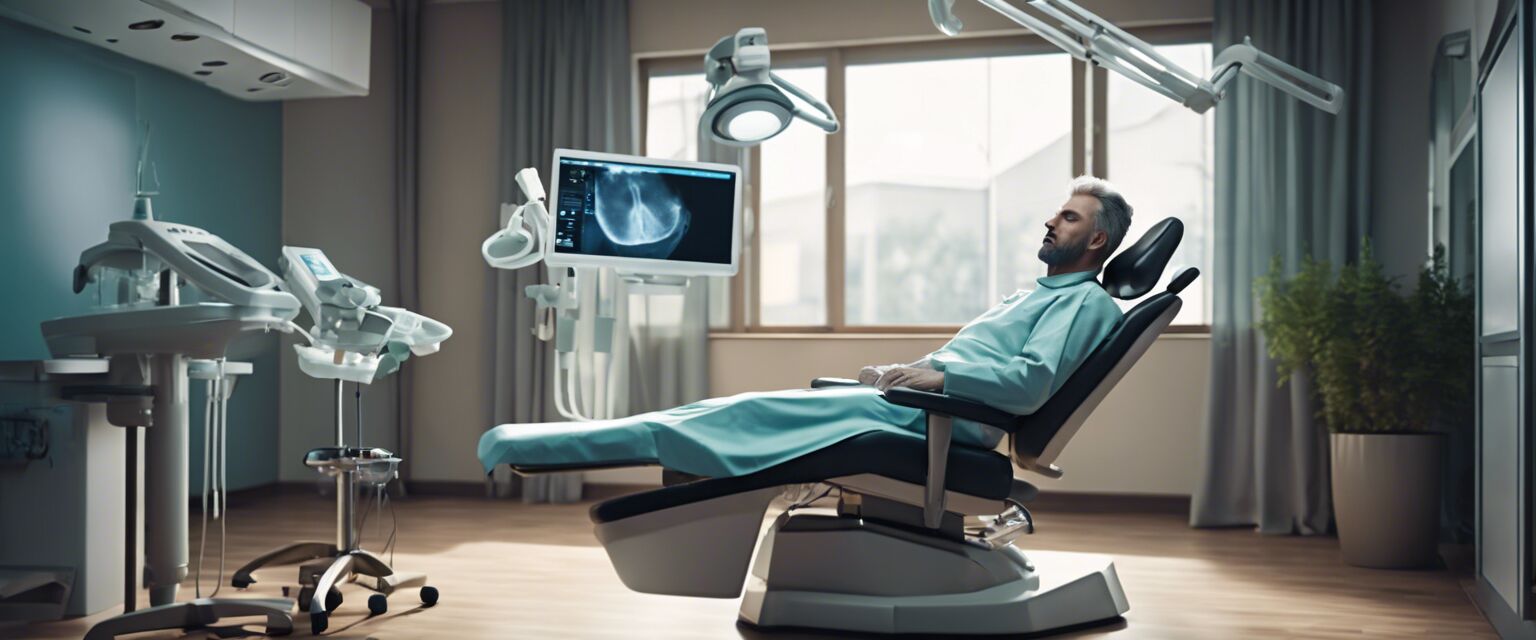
[1099,240]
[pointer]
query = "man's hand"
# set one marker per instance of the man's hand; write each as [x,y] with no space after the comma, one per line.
[869,375]
[913,377]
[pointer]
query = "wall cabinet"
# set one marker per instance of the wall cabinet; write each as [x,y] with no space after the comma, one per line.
[1506,566]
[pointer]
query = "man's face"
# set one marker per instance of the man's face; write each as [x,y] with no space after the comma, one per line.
[1070,233]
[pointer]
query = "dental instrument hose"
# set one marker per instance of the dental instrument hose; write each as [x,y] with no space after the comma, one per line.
[202,546]
[215,475]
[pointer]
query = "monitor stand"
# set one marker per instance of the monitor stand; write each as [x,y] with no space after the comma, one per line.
[654,284]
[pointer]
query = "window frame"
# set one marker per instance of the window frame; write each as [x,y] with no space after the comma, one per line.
[1090,142]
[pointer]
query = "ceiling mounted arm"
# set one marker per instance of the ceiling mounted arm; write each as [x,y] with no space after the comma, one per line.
[1277,73]
[1092,39]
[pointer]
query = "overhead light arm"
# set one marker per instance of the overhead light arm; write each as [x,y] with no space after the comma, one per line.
[827,121]
[1092,39]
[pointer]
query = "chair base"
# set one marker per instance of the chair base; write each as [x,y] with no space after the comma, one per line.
[325,567]
[197,614]
[352,566]
[846,574]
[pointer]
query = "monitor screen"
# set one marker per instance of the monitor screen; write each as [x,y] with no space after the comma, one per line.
[644,215]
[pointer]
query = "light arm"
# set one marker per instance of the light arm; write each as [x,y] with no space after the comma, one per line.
[826,122]
[1092,39]
[1271,70]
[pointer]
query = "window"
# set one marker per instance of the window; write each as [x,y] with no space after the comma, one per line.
[1160,155]
[947,183]
[673,104]
[929,206]
[792,218]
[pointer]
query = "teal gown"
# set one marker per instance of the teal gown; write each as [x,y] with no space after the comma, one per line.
[1013,357]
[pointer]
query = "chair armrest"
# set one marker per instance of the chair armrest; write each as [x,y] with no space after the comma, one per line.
[952,406]
[823,383]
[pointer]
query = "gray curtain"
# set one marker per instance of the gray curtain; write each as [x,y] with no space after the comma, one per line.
[565,83]
[1290,179]
[407,16]
[669,346]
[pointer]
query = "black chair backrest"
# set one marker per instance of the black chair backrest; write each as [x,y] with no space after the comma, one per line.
[1131,274]
[1137,269]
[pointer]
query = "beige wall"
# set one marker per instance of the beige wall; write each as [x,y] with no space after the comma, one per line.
[1143,439]
[339,196]
[460,133]
[676,26]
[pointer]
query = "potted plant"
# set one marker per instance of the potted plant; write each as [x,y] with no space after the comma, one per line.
[1392,371]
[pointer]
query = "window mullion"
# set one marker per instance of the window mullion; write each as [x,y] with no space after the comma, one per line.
[1099,90]
[754,270]
[1079,117]
[836,194]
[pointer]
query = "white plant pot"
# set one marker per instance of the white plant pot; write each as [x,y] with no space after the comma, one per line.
[1386,498]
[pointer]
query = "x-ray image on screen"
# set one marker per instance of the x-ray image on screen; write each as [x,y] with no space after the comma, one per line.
[651,212]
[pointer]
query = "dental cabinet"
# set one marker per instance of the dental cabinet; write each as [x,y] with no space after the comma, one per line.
[248,49]
[65,557]
[1505,562]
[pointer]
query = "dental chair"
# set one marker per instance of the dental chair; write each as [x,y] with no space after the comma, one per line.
[897,556]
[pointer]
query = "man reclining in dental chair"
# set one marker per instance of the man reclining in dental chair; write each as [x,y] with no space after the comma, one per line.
[921,540]
[1013,357]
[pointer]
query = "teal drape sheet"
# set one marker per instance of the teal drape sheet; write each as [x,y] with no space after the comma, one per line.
[1012,357]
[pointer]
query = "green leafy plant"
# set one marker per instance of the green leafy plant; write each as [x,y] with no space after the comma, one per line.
[1380,361]
[1445,316]
[1294,317]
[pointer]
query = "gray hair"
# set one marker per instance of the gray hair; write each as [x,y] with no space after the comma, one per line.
[1114,214]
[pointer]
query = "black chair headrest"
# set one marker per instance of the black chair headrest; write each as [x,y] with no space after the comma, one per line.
[1182,279]
[1137,269]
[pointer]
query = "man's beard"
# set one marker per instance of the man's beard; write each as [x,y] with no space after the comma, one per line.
[1055,254]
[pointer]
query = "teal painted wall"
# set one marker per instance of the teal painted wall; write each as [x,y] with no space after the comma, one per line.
[68,138]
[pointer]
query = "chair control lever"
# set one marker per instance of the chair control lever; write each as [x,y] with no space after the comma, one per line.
[1006,527]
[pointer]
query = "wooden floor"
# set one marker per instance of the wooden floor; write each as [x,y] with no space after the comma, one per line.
[506,570]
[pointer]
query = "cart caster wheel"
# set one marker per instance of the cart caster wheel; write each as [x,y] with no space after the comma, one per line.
[429,596]
[332,598]
[318,623]
[378,604]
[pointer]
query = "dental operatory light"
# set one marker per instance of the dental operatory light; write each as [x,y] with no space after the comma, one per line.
[747,101]
[1092,39]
